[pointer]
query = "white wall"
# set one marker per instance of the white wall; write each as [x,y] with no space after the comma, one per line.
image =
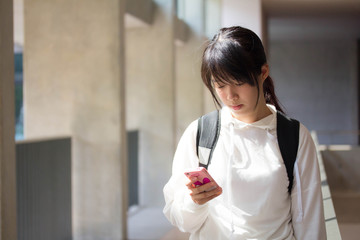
[245,13]
[213,15]
[19,22]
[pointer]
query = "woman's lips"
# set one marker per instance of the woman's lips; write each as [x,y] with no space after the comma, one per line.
[238,107]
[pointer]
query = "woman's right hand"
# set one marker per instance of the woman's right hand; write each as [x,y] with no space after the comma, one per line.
[204,193]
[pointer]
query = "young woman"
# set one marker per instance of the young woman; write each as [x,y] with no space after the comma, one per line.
[252,200]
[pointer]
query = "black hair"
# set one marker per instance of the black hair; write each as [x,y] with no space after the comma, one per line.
[236,54]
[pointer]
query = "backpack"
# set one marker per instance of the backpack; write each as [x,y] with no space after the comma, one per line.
[287,134]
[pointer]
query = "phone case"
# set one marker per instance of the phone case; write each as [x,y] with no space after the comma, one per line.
[203,176]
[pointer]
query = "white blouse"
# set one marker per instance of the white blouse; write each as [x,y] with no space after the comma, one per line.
[255,203]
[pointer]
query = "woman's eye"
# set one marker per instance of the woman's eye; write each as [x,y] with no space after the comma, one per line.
[239,84]
[217,85]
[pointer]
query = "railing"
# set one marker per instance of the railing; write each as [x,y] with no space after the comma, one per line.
[335,137]
[44,190]
[332,227]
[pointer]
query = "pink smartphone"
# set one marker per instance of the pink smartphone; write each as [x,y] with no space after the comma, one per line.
[203,177]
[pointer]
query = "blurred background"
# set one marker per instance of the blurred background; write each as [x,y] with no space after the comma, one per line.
[104,89]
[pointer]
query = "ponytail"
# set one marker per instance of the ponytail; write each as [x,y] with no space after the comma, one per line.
[269,93]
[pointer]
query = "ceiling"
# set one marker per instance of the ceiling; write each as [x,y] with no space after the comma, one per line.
[285,8]
[313,19]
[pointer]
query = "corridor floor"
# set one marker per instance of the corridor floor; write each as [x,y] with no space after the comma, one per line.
[151,224]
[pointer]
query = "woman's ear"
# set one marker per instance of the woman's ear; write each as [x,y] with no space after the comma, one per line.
[264,72]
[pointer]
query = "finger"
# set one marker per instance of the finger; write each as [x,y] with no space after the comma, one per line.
[208,187]
[190,184]
[205,195]
[202,201]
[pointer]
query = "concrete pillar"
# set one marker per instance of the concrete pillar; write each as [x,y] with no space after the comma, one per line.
[245,13]
[189,86]
[7,124]
[357,77]
[213,18]
[150,99]
[74,85]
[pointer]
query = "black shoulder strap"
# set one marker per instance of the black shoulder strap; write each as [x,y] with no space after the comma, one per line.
[288,140]
[207,136]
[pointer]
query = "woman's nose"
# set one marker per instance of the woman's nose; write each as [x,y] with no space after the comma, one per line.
[232,94]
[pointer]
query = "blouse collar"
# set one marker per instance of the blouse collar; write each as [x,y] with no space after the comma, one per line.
[267,123]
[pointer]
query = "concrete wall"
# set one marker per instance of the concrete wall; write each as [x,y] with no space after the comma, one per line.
[164,90]
[189,86]
[7,124]
[74,85]
[316,82]
[150,99]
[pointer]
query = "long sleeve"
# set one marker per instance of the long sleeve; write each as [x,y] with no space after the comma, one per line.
[307,204]
[179,208]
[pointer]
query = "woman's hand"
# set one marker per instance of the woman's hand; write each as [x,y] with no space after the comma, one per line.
[204,193]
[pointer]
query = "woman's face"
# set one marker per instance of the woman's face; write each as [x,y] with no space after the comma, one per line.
[240,98]
[245,101]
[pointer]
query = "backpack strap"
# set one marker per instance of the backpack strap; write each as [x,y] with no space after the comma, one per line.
[207,136]
[288,140]
[287,135]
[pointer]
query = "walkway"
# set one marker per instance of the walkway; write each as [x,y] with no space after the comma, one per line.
[151,224]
